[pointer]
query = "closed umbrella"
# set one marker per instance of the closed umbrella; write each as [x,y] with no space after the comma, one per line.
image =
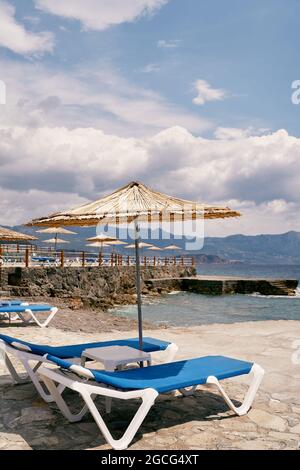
[133,204]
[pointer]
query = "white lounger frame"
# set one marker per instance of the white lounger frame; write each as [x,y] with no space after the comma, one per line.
[26,357]
[56,378]
[32,317]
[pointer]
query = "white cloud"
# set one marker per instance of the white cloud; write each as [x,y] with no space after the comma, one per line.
[99,98]
[169,44]
[206,93]
[257,175]
[150,68]
[100,14]
[233,133]
[15,37]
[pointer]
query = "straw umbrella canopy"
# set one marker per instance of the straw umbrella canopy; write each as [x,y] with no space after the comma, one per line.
[57,231]
[141,244]
[7,235]
[55,241]
[102,240]
[154,248]
[173,248]
[135,203]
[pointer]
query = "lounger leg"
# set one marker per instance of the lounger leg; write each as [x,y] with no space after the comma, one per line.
[257,375]
[187,392]
[11,369]
[35,320]
[61,403]
[148,398]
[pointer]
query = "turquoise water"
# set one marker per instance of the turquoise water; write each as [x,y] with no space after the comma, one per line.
[186,309]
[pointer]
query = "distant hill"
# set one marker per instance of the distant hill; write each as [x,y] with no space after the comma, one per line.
[258,249]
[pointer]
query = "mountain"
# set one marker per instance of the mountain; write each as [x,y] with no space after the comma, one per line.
[257,249]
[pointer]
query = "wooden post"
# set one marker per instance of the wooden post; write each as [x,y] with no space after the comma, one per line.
[27,258]
[175,260]
[100,258]
[18,248]
[154,261]
[145,261]
[128,260]
[83,259]
[182,261]
[62,259]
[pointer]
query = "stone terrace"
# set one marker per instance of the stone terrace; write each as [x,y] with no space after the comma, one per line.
[199,422]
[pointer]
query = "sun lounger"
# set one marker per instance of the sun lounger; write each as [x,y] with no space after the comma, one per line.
[21,311]
[146,384]
[13,303]
[33,355]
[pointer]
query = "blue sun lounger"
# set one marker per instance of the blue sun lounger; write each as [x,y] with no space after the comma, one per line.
[13,303]
[27,313]
[145,383]
[32,356]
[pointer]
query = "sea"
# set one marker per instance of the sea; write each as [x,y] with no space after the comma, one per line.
[188,309]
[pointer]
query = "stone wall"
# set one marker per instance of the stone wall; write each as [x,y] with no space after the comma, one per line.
[94,286]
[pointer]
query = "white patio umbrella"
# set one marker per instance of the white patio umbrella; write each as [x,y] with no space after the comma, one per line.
[134,203]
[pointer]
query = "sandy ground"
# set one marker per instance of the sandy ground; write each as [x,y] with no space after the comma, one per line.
[202,421]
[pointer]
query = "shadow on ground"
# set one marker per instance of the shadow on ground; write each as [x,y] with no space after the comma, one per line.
[42,427]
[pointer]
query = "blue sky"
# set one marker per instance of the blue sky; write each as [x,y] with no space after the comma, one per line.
[172,92]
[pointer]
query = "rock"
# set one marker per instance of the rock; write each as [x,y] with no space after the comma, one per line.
[204,439]
[295,429]
[237,424]
[278,406]
[257,444]
[13,442]
[267,420]
[33,414]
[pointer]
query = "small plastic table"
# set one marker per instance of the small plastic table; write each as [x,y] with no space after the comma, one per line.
[115,358]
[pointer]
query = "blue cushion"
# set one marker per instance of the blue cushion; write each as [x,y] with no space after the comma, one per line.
[22,308]
[65,352]
[172,376]
[11,302]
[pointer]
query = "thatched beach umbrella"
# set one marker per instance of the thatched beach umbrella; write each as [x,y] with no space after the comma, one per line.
[172,248]
[7,235]
[155,248]
[57,231]
[135,203]
[55,241]
[141,245]
[102,240]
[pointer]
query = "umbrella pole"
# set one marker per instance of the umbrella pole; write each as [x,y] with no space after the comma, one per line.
[138,283]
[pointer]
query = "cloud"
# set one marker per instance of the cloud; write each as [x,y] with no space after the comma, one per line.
[258,175]
[170,44]
[150,68]
[15,37]
[206,93]
[233,133]
[100,14]
[97,97]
